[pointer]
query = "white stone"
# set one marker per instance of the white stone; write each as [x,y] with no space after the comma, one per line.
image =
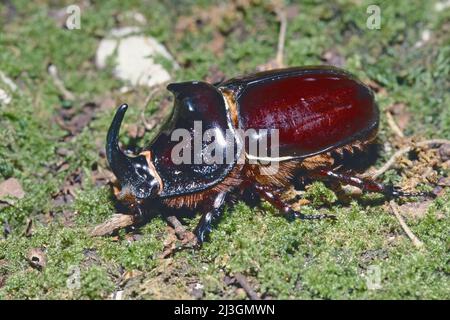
[441,6]
[7,87]
[133,56]
[424,38]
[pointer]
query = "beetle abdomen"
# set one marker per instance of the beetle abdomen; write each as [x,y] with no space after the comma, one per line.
[315,109]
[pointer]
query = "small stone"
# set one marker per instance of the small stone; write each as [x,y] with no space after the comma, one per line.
[7,87]
[197,291]
[241,294]
[11,188]
[442,5]
[134,57]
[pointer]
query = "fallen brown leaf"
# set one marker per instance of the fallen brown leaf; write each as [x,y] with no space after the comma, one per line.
[444,152]
[215,75]
[11,188]
[74,121]
[102,177]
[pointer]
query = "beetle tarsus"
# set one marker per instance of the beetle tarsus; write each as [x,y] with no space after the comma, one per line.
[389,191]
[204,226]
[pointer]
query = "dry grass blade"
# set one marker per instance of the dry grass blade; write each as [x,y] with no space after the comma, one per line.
[395,128]
[53,72]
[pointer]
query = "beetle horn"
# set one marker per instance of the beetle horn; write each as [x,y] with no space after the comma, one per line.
[119,162]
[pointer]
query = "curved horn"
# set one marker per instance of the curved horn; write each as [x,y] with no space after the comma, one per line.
[117,159]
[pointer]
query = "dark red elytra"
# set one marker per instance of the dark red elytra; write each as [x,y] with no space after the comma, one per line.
[318,112]
[315,109]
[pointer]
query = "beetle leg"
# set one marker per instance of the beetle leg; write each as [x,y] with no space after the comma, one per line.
[204,226]
[268,194]
[368,184]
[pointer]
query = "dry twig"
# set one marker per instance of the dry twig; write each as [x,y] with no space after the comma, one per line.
[417,243]
[395,128]
[53,72]
[281,37]
[117,221]
[242,280]
[184,235]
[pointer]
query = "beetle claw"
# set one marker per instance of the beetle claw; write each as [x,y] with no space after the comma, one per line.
[201,234]
[396,192]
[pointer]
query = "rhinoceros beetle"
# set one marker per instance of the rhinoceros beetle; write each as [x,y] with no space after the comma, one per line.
[315,113]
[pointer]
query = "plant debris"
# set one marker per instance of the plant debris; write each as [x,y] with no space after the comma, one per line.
[246,286]
[37,258]
[117,221]
[73,121]
[416,242]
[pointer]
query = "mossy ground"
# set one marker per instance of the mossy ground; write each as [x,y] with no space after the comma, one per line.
[282,259]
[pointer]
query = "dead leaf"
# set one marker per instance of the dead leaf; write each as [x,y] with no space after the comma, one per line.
[375,86]
[37,258]
[67,192]
[108,104]
[217,44]
[334,58]
[135,131]
[292,11]
[215,75]
[102,177]
[11,188]
[401,115]
[74,121]
[444,152]
[444,182]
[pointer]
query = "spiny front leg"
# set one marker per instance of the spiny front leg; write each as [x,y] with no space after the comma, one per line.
[368,184]
[267,193]
[204,227]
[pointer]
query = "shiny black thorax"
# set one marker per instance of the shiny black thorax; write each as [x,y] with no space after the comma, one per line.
[199,109]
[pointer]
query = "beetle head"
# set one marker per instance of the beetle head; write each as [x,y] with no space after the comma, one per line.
[132,172]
